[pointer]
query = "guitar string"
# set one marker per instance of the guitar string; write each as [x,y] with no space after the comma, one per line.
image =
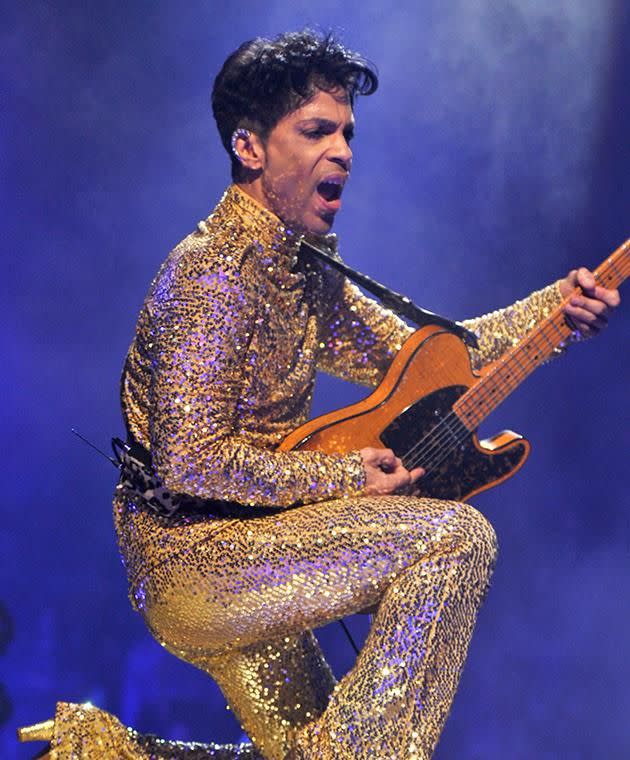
[539,333]
[423,457]
[440,451]
[511,380]
[420,454]
[432,458]
[436,450]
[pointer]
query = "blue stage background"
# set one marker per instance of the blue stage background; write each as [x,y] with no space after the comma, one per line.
[493,159]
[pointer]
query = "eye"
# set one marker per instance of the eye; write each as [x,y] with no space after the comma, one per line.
[314,134]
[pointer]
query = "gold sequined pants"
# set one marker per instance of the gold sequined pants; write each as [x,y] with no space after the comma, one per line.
[239,600]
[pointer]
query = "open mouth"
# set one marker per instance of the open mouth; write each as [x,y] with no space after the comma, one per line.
[330,189]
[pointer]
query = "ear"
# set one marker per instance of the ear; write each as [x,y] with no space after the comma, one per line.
[249,150]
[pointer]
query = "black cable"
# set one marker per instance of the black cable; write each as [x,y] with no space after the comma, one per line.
[349,635]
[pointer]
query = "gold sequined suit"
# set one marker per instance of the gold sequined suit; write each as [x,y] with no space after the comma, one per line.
[221,369]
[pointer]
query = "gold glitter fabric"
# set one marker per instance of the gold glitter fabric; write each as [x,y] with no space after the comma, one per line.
[223,362]
[221,369]
[500,330]
[241,604]
[83,731]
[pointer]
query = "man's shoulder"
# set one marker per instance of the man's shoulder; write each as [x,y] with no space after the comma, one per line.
[207,252]
[210,243]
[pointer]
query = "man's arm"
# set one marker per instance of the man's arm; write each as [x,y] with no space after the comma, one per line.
[363,337]
[360,336]
[500,330]
[202,327]
[588,313]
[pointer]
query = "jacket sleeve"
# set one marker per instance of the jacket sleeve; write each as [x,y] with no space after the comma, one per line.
[362,337]
[201,329]
[499,330]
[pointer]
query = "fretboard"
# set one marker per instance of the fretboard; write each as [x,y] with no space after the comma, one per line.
[537,347]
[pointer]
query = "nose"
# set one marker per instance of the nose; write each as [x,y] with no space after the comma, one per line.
[341,154]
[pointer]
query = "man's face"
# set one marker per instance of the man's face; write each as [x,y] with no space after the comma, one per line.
[307,161]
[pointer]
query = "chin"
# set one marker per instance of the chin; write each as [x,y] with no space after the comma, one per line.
[320,225]
[313,223]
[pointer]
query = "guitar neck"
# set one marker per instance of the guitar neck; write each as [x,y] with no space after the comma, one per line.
[537,347]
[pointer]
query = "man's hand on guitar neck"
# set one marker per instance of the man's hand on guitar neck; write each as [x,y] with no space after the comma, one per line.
[587,311]
[385,473]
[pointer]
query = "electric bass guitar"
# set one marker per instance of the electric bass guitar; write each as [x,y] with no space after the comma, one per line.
[430,403]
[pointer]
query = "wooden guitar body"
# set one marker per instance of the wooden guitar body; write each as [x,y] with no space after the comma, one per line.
[412,413]
[430,403]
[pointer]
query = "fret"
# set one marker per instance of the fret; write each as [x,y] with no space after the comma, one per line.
[549,342]
[534,349]
[614,268]
[545,346]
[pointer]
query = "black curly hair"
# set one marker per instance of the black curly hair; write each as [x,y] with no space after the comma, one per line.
[264,80]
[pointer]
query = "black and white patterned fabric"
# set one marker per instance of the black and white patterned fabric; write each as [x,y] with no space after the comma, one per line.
[137,474]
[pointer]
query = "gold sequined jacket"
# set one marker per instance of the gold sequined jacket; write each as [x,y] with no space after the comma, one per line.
[228,342]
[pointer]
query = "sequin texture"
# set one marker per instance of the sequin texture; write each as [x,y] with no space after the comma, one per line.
[220,370]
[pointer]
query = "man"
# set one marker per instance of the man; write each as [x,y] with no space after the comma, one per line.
[267,544]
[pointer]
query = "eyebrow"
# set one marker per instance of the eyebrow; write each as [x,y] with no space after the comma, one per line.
[326,123]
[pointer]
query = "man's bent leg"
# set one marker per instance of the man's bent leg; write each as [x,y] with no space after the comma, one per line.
[274,688]
[427,562]
[394,702]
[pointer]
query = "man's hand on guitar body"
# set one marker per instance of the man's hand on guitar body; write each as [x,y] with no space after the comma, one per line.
[386,474]
[587,311]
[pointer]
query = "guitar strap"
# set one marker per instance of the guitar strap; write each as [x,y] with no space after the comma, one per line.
[401,305]
[134,461]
